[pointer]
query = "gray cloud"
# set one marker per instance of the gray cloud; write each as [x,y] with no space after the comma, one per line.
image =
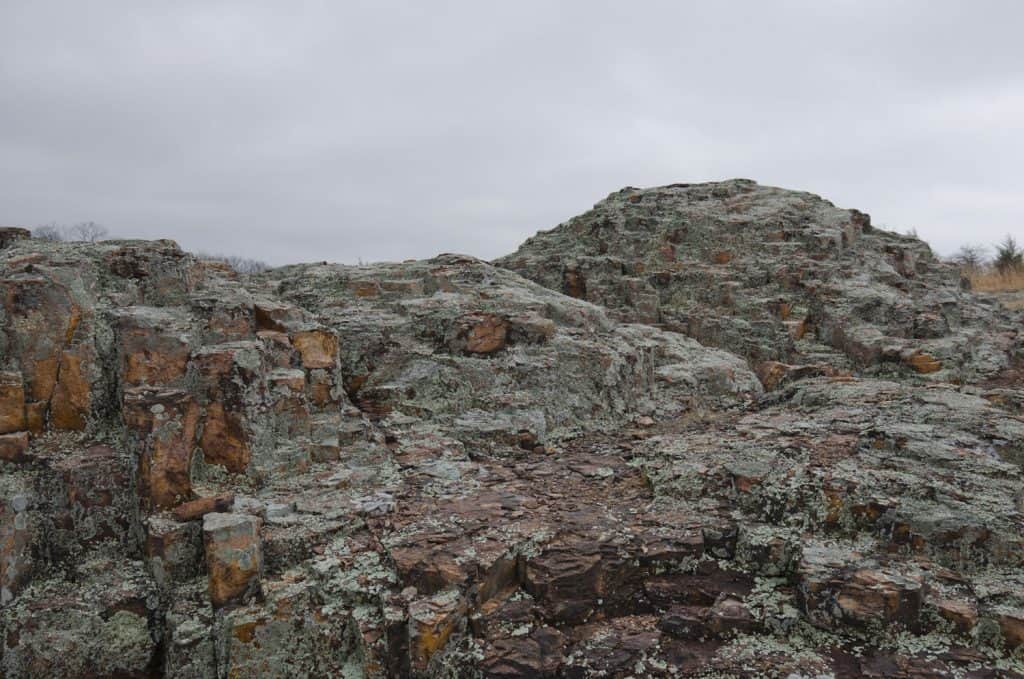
[389,130]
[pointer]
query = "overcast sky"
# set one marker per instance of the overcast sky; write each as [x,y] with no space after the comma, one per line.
[344,130]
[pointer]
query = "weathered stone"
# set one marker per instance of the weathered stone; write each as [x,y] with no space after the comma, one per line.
[463,473]
[174,551]
[291,634]
[16,538]
[10,234]
[431,623]
[12,403]
[159,273]
[962,614]
[154,346]
[162,424]
[191,639]
[486,335]
[101,628]
[275,316]
[1011,625]
[41,320]
[234,557]
[35,417]
[196,509]
[92,501]
[923,363]
[14,447]
[228,377]
[72,397]
[318,348]
[823,274]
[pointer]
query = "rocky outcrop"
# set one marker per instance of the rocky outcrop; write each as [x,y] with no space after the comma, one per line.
[442,469]
[774,275]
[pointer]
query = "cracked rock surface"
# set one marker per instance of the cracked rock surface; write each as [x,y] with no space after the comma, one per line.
[725,431]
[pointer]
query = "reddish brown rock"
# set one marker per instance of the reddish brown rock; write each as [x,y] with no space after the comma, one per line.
[278,348]
[365,289]
[227,376]
[781,309]
[196,509]
[317,348]
[963,614]
[923,363]
[797,329]
[14,447]
[35,417]
[538,655]
[12,403]
[568,580]
[161,274]
[154,346]
[72,398]
[403,287]
[234,557]
[41,320]
[431,623]
[1011,625]
[771,374]
[686,622]
[224,440]
[774,374]
[574,285]
[162,424]
[876,595]
[486,335]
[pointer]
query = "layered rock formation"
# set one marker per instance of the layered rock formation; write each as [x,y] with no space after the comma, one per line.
[773,275]
[442,469]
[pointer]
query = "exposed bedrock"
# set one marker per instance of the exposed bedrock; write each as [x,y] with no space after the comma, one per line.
[726,430]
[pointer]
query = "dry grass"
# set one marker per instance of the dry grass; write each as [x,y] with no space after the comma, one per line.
[993,281]
[1008,287]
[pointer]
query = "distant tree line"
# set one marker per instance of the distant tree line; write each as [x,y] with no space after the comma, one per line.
[1008,258]
[239,264]
[88,232]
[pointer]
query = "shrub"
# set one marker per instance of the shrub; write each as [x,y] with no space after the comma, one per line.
[1009,256]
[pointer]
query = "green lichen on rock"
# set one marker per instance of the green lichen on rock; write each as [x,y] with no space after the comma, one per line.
[701,430]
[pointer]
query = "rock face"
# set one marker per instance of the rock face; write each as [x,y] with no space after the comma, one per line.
[773,275]
[442,469]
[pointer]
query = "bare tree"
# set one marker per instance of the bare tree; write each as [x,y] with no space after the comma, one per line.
[90,232]
[49,232]
[971,257]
